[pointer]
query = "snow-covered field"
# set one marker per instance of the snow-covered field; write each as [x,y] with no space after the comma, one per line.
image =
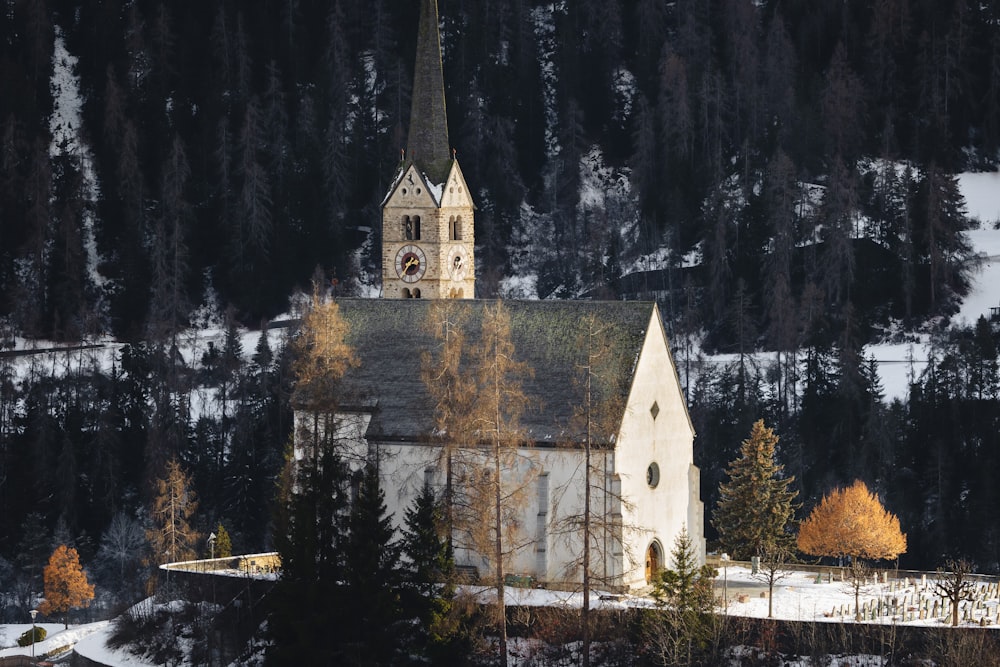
[797,596]
[87,640]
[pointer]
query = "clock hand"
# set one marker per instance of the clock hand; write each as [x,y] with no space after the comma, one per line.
[412,261]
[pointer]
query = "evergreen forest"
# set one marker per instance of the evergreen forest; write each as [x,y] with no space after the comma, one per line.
[778,176]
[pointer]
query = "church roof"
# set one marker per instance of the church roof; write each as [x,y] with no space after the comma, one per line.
[390,338]
[427,143]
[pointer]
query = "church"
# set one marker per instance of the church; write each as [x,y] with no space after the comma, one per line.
[645,488]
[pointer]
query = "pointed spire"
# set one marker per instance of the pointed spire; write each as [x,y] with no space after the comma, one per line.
[427,144]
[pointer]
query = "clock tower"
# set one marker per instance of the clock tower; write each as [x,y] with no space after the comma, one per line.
[427,215]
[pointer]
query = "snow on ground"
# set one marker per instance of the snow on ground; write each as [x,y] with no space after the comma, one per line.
[56,639]
[797,596]
[899,363]
[93,647]
[65,125]
[982,196]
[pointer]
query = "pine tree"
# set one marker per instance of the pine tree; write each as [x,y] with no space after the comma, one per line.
[371,577]
[312,529]
[66,585]
[223,543]
[425,544]
[686,586]
[310,536]
[684,593]
[430,590]
[756,509]
[755,512]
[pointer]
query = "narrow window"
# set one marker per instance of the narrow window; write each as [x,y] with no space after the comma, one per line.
[406,293]
[416,293]
[407,228]
[416,228]
[541,527]
[456,232]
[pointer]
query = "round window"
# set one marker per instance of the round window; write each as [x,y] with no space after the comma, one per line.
[653,475]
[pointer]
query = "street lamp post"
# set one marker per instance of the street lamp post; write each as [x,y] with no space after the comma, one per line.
[33,612]
[725,581]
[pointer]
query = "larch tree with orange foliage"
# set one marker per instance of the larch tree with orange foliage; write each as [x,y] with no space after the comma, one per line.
[852,522]
[66,584]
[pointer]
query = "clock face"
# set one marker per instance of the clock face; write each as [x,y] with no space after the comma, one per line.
[411,263]
[457,263]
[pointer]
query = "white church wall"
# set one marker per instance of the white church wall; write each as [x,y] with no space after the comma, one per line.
[543,544]
[662,435]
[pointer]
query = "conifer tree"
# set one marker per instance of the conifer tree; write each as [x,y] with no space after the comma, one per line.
[755,512]
[310,536]
[430,577]
[223,543]
[430,558]
[312,528]
[756,507]
[684,592]
[371,577]
[66,585]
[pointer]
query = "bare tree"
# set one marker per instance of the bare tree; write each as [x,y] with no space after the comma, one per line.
[450,388]
[598,403]
[954,584]
[172,536]
[322,357]
[495,498]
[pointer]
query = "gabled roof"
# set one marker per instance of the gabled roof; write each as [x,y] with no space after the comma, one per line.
[434,190]
[391,336]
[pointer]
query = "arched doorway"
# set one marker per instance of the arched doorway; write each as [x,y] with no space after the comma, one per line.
[654,560]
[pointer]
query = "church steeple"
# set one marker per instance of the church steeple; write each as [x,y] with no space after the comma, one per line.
[428,242]
[427,144]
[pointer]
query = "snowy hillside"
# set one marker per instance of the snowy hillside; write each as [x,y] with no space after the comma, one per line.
[899,362]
